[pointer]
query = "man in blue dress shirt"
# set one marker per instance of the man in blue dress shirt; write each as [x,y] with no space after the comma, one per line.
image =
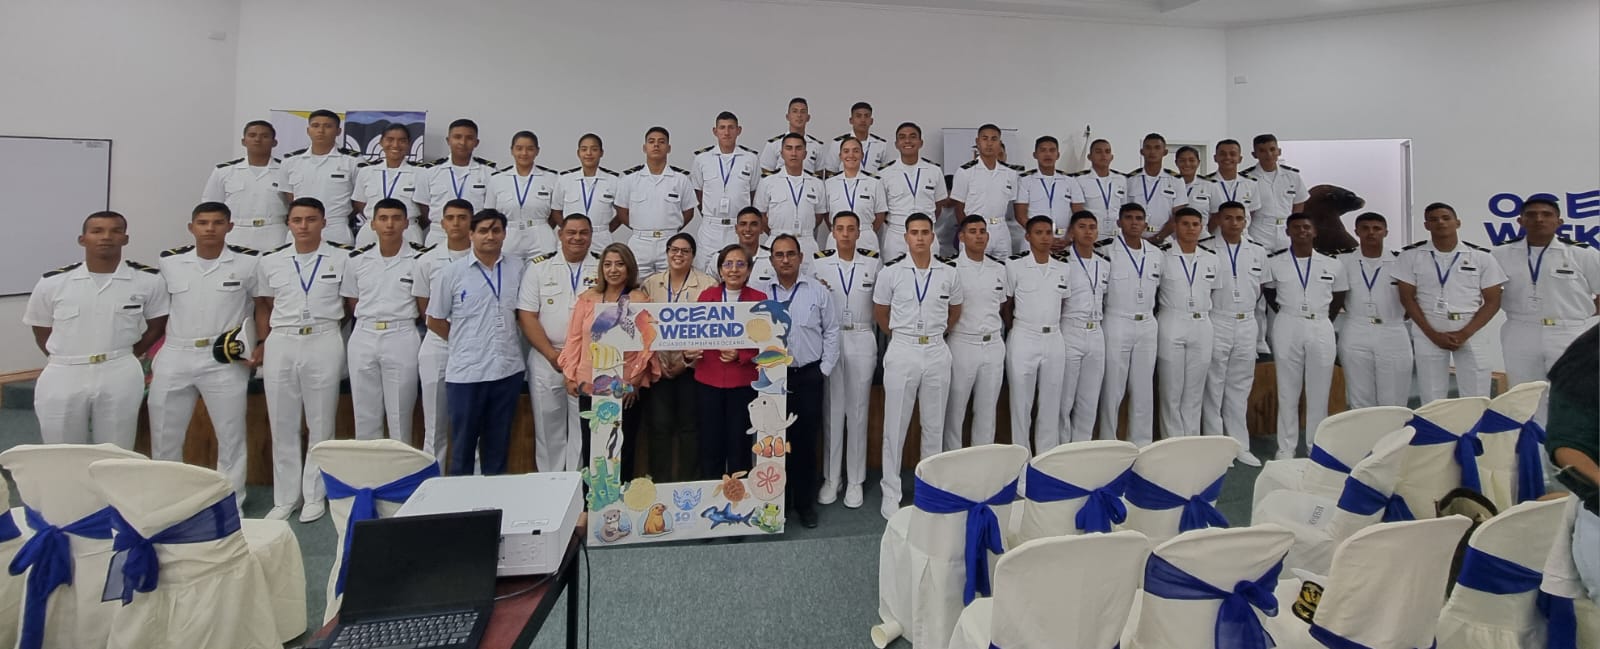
[813,339]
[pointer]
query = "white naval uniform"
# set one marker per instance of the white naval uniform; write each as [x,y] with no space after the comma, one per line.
[376,181]
[792,205]
[1197,195]
[1035,355]
[656,204]
[303,360]
[255,197]
[876,153]
[1543,317]
[1277,192]
[1185,337]
[916,365]
[1103,195]
[1449,291]
[910,189]
[850,386]
[208,298]
[91,388]
[1051,196]
[772,155]
[1232,373]
[987,193]
[550,288]
[1303,345]
[1241,190]
[435,352]
[1374,340]
[383,346]
[527,202]
[592,196]
[862,194]
[443,182]
[726,182]
[977,351]
[1083,332]
[329,178]
[1160,195]
[1130,338]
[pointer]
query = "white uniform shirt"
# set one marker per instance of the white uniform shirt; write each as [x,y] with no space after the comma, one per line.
[526,201]
[791,203]
[919,299]
[304,288]
[426,270]
[876,153]
[376,181]
[1277,192]
[1189,279]
[86,318]
[987,193]
[1240,271]
[1305,287]
[1448,282]
[1241,190]
[725,182]
[1373,293]
[1135,276]
[983,289]
[655,202]
[253,194]
[1159,194]
[208,301]
[1087,281]
[1569,278]
[1198,195]
[863,195]
[550,288]
[328,178]
[1039,292]
[443,182]
[910,189]
[1051,196]
[772,155]
[851,283]
[1103,195]
[382,286]
[592,196]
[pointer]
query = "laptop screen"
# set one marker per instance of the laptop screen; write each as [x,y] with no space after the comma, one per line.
[413,564]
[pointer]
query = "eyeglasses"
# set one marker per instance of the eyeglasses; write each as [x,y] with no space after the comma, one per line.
[675,250]
[734,265]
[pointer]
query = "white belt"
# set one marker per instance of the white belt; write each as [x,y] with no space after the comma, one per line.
[1224,315]
[1182,315]
[89,359]
[1081,323]
[1136,317]
[522,224]
[855,326]
[1373,321]
[1452,316]
[256,223]
[654,234]
[193,344]
[717,222]
[1033,328]
[383,325]
[978,338]
[1546,322]
[916,340]
[307,330]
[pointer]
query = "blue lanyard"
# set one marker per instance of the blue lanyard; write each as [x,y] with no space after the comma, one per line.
[792,291]
[587,192]
[1444,275]
[1369,281]
[727,174]
[848,284]
[672,296]
[459,187]
[1188,271]
[305,284]
[388,188]
[1094,280]
[913,185]
[1224,185]
[795,195]
[921,291]
[1533,270]
[522,190]
[577,276]
[1305,279]
[1149,195]
[1233,256]
[1138,266]
[1105,198]
[1049,192]
[498,280]
[850,193]
[1188,189]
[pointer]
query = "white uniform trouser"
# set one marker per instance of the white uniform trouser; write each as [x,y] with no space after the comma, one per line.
[263,237]
[525,241]
[1230,376]
[79,402]
[1130,370]
[1035,358]
[383,371]
[558,440]
[301,373]
[431,360]
[650,250]
[912,373]
[1433,363]
[182,373]
[710,239]
[1532,347]
[1302,354]
[1183,354]
[977,367]
[1083,372]
[1377,362]
[894,242]
[849,398]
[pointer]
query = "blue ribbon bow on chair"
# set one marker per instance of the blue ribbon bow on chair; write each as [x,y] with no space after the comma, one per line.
[365,506]
[135,566]
[1326,460]
[1468,448]
[1488,573]
[1361,498]
[1530,469]
[1237,626]
[47,558]
[1102,508]
[8,527]
[1198,510]
[983,529]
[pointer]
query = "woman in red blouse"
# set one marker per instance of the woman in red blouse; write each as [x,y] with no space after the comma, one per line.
[724,378]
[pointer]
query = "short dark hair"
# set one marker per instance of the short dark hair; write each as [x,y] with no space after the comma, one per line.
[1372,216]
[1099,141]
[772,244]
[1037,220]
[307,201]
[1081,215]
[1297,216]
[918,216]
[260,122]
[684,237]
[794,136]
[576,217]
[848,138]
[1130,207]
[912,125]
[458,203]
[1233,205]
[591,136]
[1264,138]
[1188,211]
[212,207]
[728,116]
[847,214]
[1186,149]
[657,129]
[388,204]
[1542,199]
[860,105]
[971,219]
[488,215]
[525,134]
[323,112]
[1154,136]
[396,126]
[1440,206]
[1226,142]
[106,214]
[462,123]
[1046,139]
[749,209]
[988,127]
[799,100]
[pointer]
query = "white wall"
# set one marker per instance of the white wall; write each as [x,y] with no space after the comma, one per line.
[144,74]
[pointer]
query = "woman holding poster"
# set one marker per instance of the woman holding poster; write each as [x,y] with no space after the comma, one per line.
[616,285]
[671,425]
[725,377]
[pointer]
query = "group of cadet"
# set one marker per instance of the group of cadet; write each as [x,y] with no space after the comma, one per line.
[1078,290]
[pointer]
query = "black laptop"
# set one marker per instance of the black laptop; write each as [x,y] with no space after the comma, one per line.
[419,581]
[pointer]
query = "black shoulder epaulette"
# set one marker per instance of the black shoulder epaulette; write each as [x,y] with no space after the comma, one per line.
[63,269]
[541,258]
[138,266]
[1418,244]
[1289,168]
[607,170]
[1017,168]
[875,137]
[1104,242]
[822,254]
[891,262]
[546,169]
[486,162]
[341,246]
[1246,172]
[1101,255]
[766,248]
[357,252]
[994,258]
[1061,256]
[777,137]
[704,149]
[594,255]
[970,164]
[350,152]
[367,163]
[1512,240]
[1021,255]
[1343,251]
[842,137]
[440,161]
[1204,248]
[244,251]
[1570,242]
[572,170]
[948,261]
[813,138]
[1131,174]
[768,172]
[1172,173]
[1209,176]
[1026,173]
[1075,174]
[749,150]
[420,164]
[419,247]
[279,248]
[1277,252]
[1475,246]
[295,153]
[1165,245]
[501,171]
[176,251]
[870,253]
[1207,238]
[930,162]
[230,163]
[680,170]
[631,170]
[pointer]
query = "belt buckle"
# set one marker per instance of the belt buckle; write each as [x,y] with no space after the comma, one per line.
[258,222]
[97,358]
[304,331]
[380,326]
[1089,326]
[847,327]
[655,233]
[1453,316]
[987,337]
[1044,330]
[201,342]
[1376,321]
[1195,316]
[1239,316]
[1548,322]
[1311,316]
[922,340]
[726,221]
[1138,317]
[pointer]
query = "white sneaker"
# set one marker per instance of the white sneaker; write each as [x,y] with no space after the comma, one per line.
[828,493]
[1284,455]
[313,511]
[888,508]
[280,513]
[1245,458]
[853,496]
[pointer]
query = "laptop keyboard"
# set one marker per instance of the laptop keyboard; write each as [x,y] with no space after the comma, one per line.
[421,632]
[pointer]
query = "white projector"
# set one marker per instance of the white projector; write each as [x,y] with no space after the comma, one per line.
[539,512]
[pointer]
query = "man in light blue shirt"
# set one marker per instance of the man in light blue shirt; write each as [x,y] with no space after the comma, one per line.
[813,338]
[473,309]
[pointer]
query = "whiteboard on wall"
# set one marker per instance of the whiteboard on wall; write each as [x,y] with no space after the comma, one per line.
[1376,170]
[50,185]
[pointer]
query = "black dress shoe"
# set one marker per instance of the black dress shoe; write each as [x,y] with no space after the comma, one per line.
[808,517]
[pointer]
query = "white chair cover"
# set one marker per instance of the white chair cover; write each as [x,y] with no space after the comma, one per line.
[1088,465]
[1318,523]
[11,587]
[1345,438]
[361,463]
[1475,619]
[922,564]
[208,593]
[1067,591]
[1497,468]
[1220,557]
[275,548]
[1185,466]
[1385,590]
[1431,471]
[53,479]
[1561,578]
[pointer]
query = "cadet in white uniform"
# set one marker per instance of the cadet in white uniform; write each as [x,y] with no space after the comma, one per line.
[1159,190]
[1553,302]
[985,187]
[655,200]
[748,226]
[1130,327]
[1226,184]
[916,300]
[1305,288]
[525,192]
[550,288]
[1232,373]
[1196,189]
[298,311]
[1047,192]
[1185,337]
[1279,193]
[855,190]
[977,340]
[798,116]
[792,199]
[1374,342]
[1104,191]
[212,287]
[94,319]
[1450,290]
[325,172]
[911,185]
[435,352]
[458,175]
[1036,354]
[850,273]
[724,177]
[876,153]
[252,187]
[1082,329]
[591,190]
[392,177]
[384,345]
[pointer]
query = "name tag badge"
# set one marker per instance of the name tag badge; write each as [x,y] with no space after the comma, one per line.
[672,196]
[336,176]
[544,193]
[1440,307]
[1305,308]
[1139,295]
[1237,298]
[478,186]
[232,284]
[305,315]
[1372,309]
[921,325]
[130,306]
[1534,301]
[847,317]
